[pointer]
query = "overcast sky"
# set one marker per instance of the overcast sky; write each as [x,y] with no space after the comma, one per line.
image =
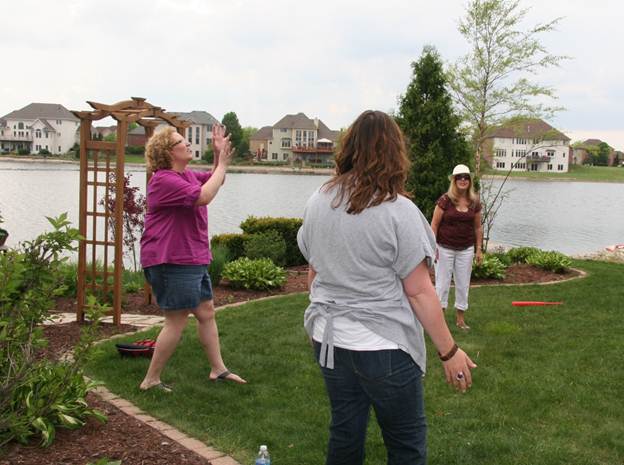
[265,59]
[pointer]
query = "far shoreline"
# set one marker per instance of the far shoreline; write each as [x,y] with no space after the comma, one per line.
[267,169]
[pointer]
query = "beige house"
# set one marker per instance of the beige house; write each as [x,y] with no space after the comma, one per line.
[528,145]
[38,127]
[295,138]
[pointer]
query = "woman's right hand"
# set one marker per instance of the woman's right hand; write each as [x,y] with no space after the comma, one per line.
[225,157]
[457,370]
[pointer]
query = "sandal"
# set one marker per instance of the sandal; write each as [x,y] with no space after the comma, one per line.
[160,386]
[227,375]
[463,326]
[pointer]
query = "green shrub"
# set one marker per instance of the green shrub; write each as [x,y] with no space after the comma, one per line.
[39,396]
[550,261]
[269,244]
[44,152]
[235,244]
[490,268]
[286,227]
[260,274]
[23,152]
[135,150]
[502,257]
[220,256]
[520,254]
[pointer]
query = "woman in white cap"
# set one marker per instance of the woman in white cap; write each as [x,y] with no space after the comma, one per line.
[456,224]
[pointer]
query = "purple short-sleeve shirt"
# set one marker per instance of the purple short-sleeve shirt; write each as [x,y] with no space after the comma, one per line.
[176,230]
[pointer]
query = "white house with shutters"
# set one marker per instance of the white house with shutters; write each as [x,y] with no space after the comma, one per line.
[37,127]
[528,145]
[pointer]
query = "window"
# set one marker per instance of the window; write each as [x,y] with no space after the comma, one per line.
[550,153]
[310,138]
[521,153]
[298,137]
[520,141]
[196,153]
[500,164]
[59,149]
[20,125]
[550,167]
[563,154]
[502,153]
[38,133]
[210,128]
[535,154]
[197,134]
[274,156]
[189,134]
[283,130]
[559,167]
[46,133]
[286,143]
[59,122]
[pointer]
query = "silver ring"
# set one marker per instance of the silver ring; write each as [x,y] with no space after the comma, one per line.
[460,375]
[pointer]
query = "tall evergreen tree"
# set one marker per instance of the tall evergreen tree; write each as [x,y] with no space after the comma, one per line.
[435,143]
[230,121]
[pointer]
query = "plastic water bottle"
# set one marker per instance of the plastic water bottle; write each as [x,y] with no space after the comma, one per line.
[263,456]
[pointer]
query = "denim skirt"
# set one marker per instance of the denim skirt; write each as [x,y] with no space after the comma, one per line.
[178,287]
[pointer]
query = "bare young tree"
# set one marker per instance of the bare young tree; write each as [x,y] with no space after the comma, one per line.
[491,83]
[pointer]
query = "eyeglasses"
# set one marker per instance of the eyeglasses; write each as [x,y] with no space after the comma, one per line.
[462,177]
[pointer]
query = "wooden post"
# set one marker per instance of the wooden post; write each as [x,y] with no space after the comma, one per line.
[85,136]
[122,133]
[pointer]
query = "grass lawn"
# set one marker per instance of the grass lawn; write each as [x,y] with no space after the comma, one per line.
[576,173]
[548,389]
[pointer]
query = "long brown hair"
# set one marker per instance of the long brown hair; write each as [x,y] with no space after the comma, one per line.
[372,163]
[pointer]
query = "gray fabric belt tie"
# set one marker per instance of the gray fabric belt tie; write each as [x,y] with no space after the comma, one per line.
[326,357]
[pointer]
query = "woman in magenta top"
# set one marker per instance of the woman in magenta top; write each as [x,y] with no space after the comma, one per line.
[456,224]
[175,250]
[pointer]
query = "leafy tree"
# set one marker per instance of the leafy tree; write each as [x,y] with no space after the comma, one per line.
[248,131]
[602,157]
[230,121]
[432,128]
[491,83]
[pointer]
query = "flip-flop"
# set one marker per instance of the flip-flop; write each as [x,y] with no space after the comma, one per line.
[224,376]
[464,326]
[161,387]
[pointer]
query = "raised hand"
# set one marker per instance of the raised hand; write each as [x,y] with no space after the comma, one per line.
[219,140]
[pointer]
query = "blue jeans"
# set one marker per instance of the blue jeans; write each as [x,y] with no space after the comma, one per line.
[390,382]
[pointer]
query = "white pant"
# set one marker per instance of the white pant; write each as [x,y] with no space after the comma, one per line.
[458,265]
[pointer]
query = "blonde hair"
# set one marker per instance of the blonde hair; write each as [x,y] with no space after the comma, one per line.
[158,149]
[454,195]
[372,163]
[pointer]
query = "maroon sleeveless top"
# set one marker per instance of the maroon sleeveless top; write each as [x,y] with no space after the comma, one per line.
[456,230]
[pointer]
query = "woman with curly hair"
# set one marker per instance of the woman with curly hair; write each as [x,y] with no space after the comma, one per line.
[456,224]
[175,250]
[369,249]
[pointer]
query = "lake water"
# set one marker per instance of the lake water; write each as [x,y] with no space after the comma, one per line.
[572,217]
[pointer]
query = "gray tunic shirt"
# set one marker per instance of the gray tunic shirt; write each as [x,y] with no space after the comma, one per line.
[360,261]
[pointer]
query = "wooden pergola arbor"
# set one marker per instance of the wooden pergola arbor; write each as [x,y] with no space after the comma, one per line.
[98,159]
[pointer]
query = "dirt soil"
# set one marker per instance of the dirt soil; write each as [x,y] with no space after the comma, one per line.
[125,438]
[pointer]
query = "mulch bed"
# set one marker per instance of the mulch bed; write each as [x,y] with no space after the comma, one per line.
[125,438]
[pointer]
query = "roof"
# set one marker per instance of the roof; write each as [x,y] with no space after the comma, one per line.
[263,133]
[298,121]
[196,117]
[42,111]
[325,133]
[46,124]
[528,128]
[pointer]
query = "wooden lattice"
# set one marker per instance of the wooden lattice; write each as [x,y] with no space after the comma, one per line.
[98,160]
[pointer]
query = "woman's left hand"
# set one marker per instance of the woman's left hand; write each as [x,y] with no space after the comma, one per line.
[479,257]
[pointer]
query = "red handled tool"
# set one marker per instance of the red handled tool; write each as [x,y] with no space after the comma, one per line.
[532,303]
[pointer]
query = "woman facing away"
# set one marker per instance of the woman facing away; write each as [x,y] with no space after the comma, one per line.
[456,224]
[369,249]
[175,251]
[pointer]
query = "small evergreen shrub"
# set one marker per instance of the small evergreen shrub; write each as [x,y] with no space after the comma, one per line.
[260,274]
[520,254]
[550,261]
[490,268]
[44,152]
[286,227]
[235,243]
[269,244]
[23,152]
[220,256]
[135,150]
